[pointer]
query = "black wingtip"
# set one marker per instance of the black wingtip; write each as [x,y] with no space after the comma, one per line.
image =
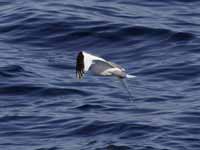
[80,65]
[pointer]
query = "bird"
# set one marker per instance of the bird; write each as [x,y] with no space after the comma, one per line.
[87,62]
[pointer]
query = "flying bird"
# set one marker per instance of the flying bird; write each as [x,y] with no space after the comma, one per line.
[101,67]
[98,66]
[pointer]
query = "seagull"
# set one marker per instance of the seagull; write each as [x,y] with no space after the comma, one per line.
[87,62]
[98,66]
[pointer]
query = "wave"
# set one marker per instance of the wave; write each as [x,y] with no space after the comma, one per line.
[123,129]
[12,71]
[115,147]
[43,106]
[87,107]
[31,89]
[178,71]
[40,30]
[18,118]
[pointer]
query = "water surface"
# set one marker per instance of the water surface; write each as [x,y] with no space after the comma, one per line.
[44,107]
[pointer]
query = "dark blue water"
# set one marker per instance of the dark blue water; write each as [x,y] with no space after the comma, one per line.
[44,107]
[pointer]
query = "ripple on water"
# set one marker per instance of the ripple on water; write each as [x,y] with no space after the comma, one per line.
[43,106]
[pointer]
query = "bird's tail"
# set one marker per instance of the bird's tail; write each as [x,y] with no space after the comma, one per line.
[130,76]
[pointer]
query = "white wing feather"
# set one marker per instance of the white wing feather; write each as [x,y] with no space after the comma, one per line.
[88,60]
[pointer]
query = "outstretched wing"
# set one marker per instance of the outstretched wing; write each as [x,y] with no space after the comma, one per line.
[83,63]
[99,67]
[89,60]
[106,69]
[116,65]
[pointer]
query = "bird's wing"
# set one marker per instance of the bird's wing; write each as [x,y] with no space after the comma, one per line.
[83,63]
[98,67]
[89,60]
[116,65]
[105,68]
[79,65]
[86,61]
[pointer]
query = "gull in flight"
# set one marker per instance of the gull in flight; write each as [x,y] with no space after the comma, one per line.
[101,67]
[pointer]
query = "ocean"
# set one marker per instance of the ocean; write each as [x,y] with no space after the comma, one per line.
[44,107]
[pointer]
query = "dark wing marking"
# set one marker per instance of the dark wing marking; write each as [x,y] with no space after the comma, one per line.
[80,65]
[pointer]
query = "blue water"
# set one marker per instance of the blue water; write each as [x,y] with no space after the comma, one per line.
[44,107]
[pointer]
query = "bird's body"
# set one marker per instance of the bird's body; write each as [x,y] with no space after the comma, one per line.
[101,67]
[98,66]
